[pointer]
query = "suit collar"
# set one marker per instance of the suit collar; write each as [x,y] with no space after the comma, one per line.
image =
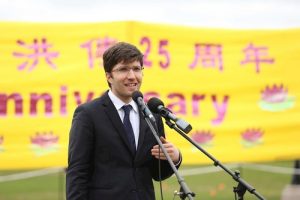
[118,103]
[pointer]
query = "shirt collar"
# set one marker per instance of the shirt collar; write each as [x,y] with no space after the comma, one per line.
[119,103]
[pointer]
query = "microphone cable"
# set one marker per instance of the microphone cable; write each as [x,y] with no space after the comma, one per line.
[159,175]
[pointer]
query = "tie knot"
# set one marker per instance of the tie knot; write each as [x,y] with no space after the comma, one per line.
[127,109]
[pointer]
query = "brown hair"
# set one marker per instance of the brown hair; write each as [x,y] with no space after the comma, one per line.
[121,52]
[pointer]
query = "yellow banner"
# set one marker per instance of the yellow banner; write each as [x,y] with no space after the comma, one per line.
[237,88]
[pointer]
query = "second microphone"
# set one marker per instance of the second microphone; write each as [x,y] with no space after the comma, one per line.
[157,106]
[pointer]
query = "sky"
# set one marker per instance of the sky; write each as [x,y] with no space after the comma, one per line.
[253,14]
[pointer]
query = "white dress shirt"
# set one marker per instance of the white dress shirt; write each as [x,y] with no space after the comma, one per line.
[134,114]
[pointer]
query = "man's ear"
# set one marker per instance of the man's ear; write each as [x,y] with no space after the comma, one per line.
[108,76]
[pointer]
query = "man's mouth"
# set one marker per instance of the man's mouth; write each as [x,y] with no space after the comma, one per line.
[131,84]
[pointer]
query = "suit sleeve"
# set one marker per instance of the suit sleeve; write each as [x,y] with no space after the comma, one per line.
[79,155]
[166,170]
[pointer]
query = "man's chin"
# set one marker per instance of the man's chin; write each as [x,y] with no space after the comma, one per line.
[133,90]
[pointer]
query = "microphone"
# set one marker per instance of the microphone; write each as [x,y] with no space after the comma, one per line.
[137,96]
[157,106]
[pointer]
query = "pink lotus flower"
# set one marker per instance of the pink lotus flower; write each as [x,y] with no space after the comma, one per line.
[252,135]
[44,140]
[274,94]
[202,137]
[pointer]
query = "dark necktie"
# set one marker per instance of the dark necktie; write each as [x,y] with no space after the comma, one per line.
[128,127]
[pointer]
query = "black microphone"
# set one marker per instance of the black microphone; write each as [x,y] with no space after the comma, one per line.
[137,96]
[157,106]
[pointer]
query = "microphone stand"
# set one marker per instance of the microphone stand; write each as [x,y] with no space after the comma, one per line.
[242,186]
[184,188]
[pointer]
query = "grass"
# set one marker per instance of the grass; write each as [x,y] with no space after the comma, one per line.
[216,186]
[49,187]
[219,185]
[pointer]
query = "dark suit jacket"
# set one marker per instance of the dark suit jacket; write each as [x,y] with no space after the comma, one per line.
[100,163]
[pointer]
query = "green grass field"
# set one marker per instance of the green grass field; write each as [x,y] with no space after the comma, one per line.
[216,185]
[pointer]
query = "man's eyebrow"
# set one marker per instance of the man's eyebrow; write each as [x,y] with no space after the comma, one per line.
[129,66]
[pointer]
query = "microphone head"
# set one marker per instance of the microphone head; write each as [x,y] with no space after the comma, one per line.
[154,104]
[136,95]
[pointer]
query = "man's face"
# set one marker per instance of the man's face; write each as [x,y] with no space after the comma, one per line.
[125,79]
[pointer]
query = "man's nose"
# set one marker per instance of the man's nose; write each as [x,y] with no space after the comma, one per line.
[131,73]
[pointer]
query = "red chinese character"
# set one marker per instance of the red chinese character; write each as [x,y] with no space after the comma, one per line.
[256,55]
[101,46]
[39,50]
[210,55]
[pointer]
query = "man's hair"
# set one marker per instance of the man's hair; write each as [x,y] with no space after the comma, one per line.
[121,52]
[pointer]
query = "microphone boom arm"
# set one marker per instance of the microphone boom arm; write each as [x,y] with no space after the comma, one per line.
[242,184]
[186,192]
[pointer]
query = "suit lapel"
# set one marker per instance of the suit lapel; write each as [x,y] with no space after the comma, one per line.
[113,114]
[143,126]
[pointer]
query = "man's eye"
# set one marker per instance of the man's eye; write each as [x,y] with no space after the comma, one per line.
[136,69]
[123,69]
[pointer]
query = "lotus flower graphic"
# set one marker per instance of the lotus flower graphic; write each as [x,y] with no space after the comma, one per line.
[1,143]
[276,98]
[44,143]
[203,137]
[252,137]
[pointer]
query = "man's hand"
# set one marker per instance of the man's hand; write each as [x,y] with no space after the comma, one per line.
[170,148]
